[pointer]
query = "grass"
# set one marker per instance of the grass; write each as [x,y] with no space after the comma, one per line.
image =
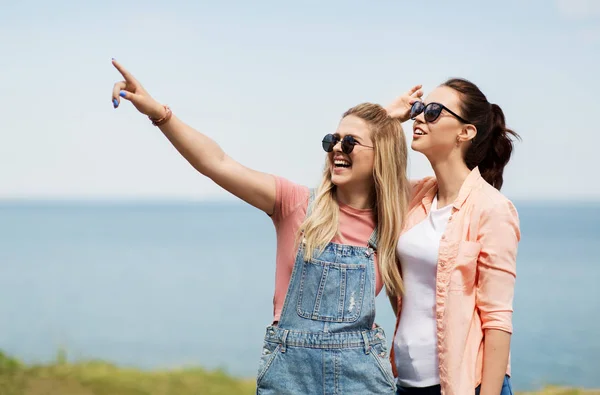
[100,378]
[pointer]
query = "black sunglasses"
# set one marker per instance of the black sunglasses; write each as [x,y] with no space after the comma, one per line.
[348,143]
[431,111]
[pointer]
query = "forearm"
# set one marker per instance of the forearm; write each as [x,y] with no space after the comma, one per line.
[203,153]
[496,349]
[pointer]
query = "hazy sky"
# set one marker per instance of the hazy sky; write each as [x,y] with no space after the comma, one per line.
[267,79]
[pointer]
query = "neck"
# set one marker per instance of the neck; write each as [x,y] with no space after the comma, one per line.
[356,198]
[450,173]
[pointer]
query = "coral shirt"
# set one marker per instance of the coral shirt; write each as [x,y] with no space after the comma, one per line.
[476,273]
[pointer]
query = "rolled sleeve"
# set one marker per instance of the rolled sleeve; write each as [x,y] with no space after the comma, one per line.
[499,235]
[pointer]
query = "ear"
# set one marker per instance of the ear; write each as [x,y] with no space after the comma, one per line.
[468,132]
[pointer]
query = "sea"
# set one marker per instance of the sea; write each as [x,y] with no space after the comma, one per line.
[159,285]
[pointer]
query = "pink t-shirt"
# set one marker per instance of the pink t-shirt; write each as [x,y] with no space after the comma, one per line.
[356,227]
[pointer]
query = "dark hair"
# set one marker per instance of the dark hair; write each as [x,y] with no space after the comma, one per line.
[492,147]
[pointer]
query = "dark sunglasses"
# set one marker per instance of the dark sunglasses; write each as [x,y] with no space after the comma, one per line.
[348,143]
[431,111]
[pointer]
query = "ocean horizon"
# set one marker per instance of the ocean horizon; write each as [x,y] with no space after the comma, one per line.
[167,283]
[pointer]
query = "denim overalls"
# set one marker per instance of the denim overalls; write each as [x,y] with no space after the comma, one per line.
[325,342]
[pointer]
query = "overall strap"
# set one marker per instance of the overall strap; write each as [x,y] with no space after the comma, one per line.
[311,200]
[373,239]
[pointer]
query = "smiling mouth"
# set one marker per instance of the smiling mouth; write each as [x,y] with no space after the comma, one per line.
[419,132]
[341,163]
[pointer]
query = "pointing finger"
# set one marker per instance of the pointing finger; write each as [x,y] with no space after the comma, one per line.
[126,74]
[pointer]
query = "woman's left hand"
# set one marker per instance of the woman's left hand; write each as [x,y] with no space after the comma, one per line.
[400,108]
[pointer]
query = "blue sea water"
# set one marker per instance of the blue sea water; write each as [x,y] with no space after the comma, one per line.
[159,285]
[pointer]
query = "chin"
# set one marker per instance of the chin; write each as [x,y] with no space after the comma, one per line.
[339,180]
[416,146]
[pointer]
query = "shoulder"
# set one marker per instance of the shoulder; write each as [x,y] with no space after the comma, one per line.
[285,184]
[289,197]
[422,183]
[494,207]
[420,187]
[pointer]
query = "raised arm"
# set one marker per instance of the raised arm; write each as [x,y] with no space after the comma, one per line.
[203,153]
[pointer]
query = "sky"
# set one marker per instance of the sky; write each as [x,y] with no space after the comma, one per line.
[268,79]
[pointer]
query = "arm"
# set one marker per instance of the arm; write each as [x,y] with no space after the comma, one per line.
[499,236]
[496,347]
[204,154]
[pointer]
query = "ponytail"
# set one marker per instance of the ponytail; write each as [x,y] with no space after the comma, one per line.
[492,146]
[499,149]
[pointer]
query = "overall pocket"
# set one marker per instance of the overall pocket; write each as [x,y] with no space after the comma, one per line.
[331,291]
[269,352]
[380,354]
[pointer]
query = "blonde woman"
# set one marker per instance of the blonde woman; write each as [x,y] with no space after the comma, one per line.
[335,247]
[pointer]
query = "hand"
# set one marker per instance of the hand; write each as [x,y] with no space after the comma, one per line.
[400,108]
[132,90]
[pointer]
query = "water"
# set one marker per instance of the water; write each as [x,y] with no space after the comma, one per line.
[167,285]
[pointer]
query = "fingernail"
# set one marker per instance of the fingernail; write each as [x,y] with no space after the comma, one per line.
[122,94]
[113,58]
[115,103]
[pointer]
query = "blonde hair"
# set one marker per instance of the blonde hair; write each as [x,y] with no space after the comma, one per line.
[390,195]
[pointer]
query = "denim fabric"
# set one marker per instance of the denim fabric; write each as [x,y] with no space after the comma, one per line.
[326,341]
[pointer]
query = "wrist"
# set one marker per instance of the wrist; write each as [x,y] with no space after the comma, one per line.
[162,117]
[159,112]
[394,112]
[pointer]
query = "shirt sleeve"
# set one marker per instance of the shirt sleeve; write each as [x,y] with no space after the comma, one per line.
[287,198]
[499,235]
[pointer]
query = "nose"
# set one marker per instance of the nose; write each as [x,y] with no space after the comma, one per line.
[420,118]
[337,147]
